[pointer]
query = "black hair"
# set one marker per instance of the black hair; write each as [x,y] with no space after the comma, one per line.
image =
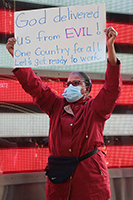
[86,79]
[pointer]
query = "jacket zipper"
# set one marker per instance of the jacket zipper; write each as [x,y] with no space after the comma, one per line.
[69,187]
[98,167]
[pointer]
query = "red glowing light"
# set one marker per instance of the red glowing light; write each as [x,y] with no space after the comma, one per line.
[11,91]
[7,22]
[35,159]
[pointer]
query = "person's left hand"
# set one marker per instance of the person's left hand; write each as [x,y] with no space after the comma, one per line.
[111,34]
[10,45]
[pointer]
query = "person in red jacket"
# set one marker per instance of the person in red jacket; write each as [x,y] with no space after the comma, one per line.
[76,124]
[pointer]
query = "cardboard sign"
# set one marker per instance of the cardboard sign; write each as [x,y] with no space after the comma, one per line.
[60,36]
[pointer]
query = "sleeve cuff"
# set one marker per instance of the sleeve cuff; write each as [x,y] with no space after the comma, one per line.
[15,70]
[118,62]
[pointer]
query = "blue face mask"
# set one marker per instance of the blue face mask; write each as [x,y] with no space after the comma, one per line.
[72,93]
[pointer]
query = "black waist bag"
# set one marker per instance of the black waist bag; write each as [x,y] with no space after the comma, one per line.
[61,168]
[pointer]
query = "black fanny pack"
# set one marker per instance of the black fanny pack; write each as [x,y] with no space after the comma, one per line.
[61,168]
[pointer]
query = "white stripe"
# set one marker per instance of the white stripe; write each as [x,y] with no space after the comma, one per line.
[25,124]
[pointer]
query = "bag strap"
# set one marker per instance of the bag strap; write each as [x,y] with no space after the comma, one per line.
[88,155]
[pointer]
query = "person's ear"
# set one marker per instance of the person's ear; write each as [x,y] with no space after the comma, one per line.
[88,89]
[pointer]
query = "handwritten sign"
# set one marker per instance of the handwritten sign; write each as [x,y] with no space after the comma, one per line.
[60,36]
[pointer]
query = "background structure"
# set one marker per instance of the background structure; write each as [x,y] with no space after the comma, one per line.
[23,126]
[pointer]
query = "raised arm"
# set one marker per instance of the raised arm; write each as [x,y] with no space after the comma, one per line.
[32,84]
[110,38]
[106,100]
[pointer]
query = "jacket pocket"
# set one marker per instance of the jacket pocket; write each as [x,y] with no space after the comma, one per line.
[98,166]
[100,163]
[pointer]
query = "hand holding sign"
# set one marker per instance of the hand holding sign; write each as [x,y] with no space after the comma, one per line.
[111,34]
[10,45]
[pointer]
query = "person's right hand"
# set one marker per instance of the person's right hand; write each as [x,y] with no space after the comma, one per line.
[10,45]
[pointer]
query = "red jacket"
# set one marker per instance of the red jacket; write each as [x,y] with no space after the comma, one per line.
[76,129]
